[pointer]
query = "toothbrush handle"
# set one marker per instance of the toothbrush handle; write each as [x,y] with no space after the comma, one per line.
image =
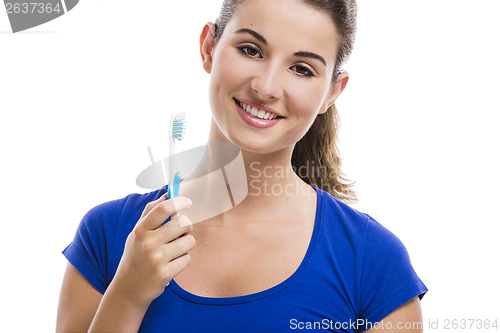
[173,191]
[174,176]
[172,170]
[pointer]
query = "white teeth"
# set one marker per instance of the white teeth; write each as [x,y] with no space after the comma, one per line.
[254,112]
[258,113]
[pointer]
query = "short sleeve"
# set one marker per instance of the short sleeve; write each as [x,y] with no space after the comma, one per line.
[388,279]
[88,252]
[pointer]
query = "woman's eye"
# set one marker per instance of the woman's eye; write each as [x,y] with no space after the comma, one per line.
[250,51]
[302,70]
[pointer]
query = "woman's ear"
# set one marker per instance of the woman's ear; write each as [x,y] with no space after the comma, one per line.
[207,45]
[336,90]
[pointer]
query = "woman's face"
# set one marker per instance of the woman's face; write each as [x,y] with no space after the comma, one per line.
[275,56]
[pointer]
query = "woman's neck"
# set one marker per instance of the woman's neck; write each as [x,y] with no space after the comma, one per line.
[270,179]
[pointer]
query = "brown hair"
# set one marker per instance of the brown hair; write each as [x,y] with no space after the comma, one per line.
[317,150]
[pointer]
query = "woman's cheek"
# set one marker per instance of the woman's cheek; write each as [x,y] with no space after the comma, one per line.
[304,99]
[229,70]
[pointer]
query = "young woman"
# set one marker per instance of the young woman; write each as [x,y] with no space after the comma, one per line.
[294,257]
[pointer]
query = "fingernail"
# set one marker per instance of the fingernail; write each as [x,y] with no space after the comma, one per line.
[184,221]
[181,203]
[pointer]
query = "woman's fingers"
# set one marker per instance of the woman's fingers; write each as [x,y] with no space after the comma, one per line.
[179,247]
[176,266]
[155,253]
[169,231]
[152,205]
[160,210]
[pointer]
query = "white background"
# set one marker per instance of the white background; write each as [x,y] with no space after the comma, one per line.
[83,96]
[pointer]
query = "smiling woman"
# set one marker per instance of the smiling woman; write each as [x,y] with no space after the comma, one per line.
[323,132]
[295,254]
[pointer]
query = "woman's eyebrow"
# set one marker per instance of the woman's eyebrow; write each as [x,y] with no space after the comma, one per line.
[310,55]
[253,33]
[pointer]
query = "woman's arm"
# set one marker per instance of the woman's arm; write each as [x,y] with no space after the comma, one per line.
[78,302]
[405,319]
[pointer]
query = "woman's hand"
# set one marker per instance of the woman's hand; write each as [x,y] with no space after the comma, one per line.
[154,253]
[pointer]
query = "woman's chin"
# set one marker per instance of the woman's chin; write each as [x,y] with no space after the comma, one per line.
[255,147]
[246,141]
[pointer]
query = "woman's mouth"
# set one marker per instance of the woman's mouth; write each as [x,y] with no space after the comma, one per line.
[261,114]
[256,117]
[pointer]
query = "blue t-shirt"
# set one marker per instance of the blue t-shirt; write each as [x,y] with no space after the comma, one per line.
[355,271]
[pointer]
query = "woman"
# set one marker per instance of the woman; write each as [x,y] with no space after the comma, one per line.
[292,258]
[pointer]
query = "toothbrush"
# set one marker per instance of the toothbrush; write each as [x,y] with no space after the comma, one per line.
[177,122]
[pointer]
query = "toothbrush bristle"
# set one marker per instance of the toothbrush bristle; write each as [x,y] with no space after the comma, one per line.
[178,128]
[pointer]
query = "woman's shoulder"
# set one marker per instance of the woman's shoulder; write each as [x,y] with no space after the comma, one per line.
[371,254]
[128,208]
[359,227]
[335,211]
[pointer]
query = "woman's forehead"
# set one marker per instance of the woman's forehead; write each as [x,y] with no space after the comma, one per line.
[287,23]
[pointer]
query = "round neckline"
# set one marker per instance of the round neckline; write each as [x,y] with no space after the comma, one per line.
[264,293]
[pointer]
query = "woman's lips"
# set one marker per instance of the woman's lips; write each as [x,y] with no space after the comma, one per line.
[254,121]
[258,106]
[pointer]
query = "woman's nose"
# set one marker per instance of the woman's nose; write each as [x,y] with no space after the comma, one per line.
[266,83]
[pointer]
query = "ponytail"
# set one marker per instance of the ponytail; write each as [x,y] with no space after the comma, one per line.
[316,158]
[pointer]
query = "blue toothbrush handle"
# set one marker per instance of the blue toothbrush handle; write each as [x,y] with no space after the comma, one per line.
[173,190]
